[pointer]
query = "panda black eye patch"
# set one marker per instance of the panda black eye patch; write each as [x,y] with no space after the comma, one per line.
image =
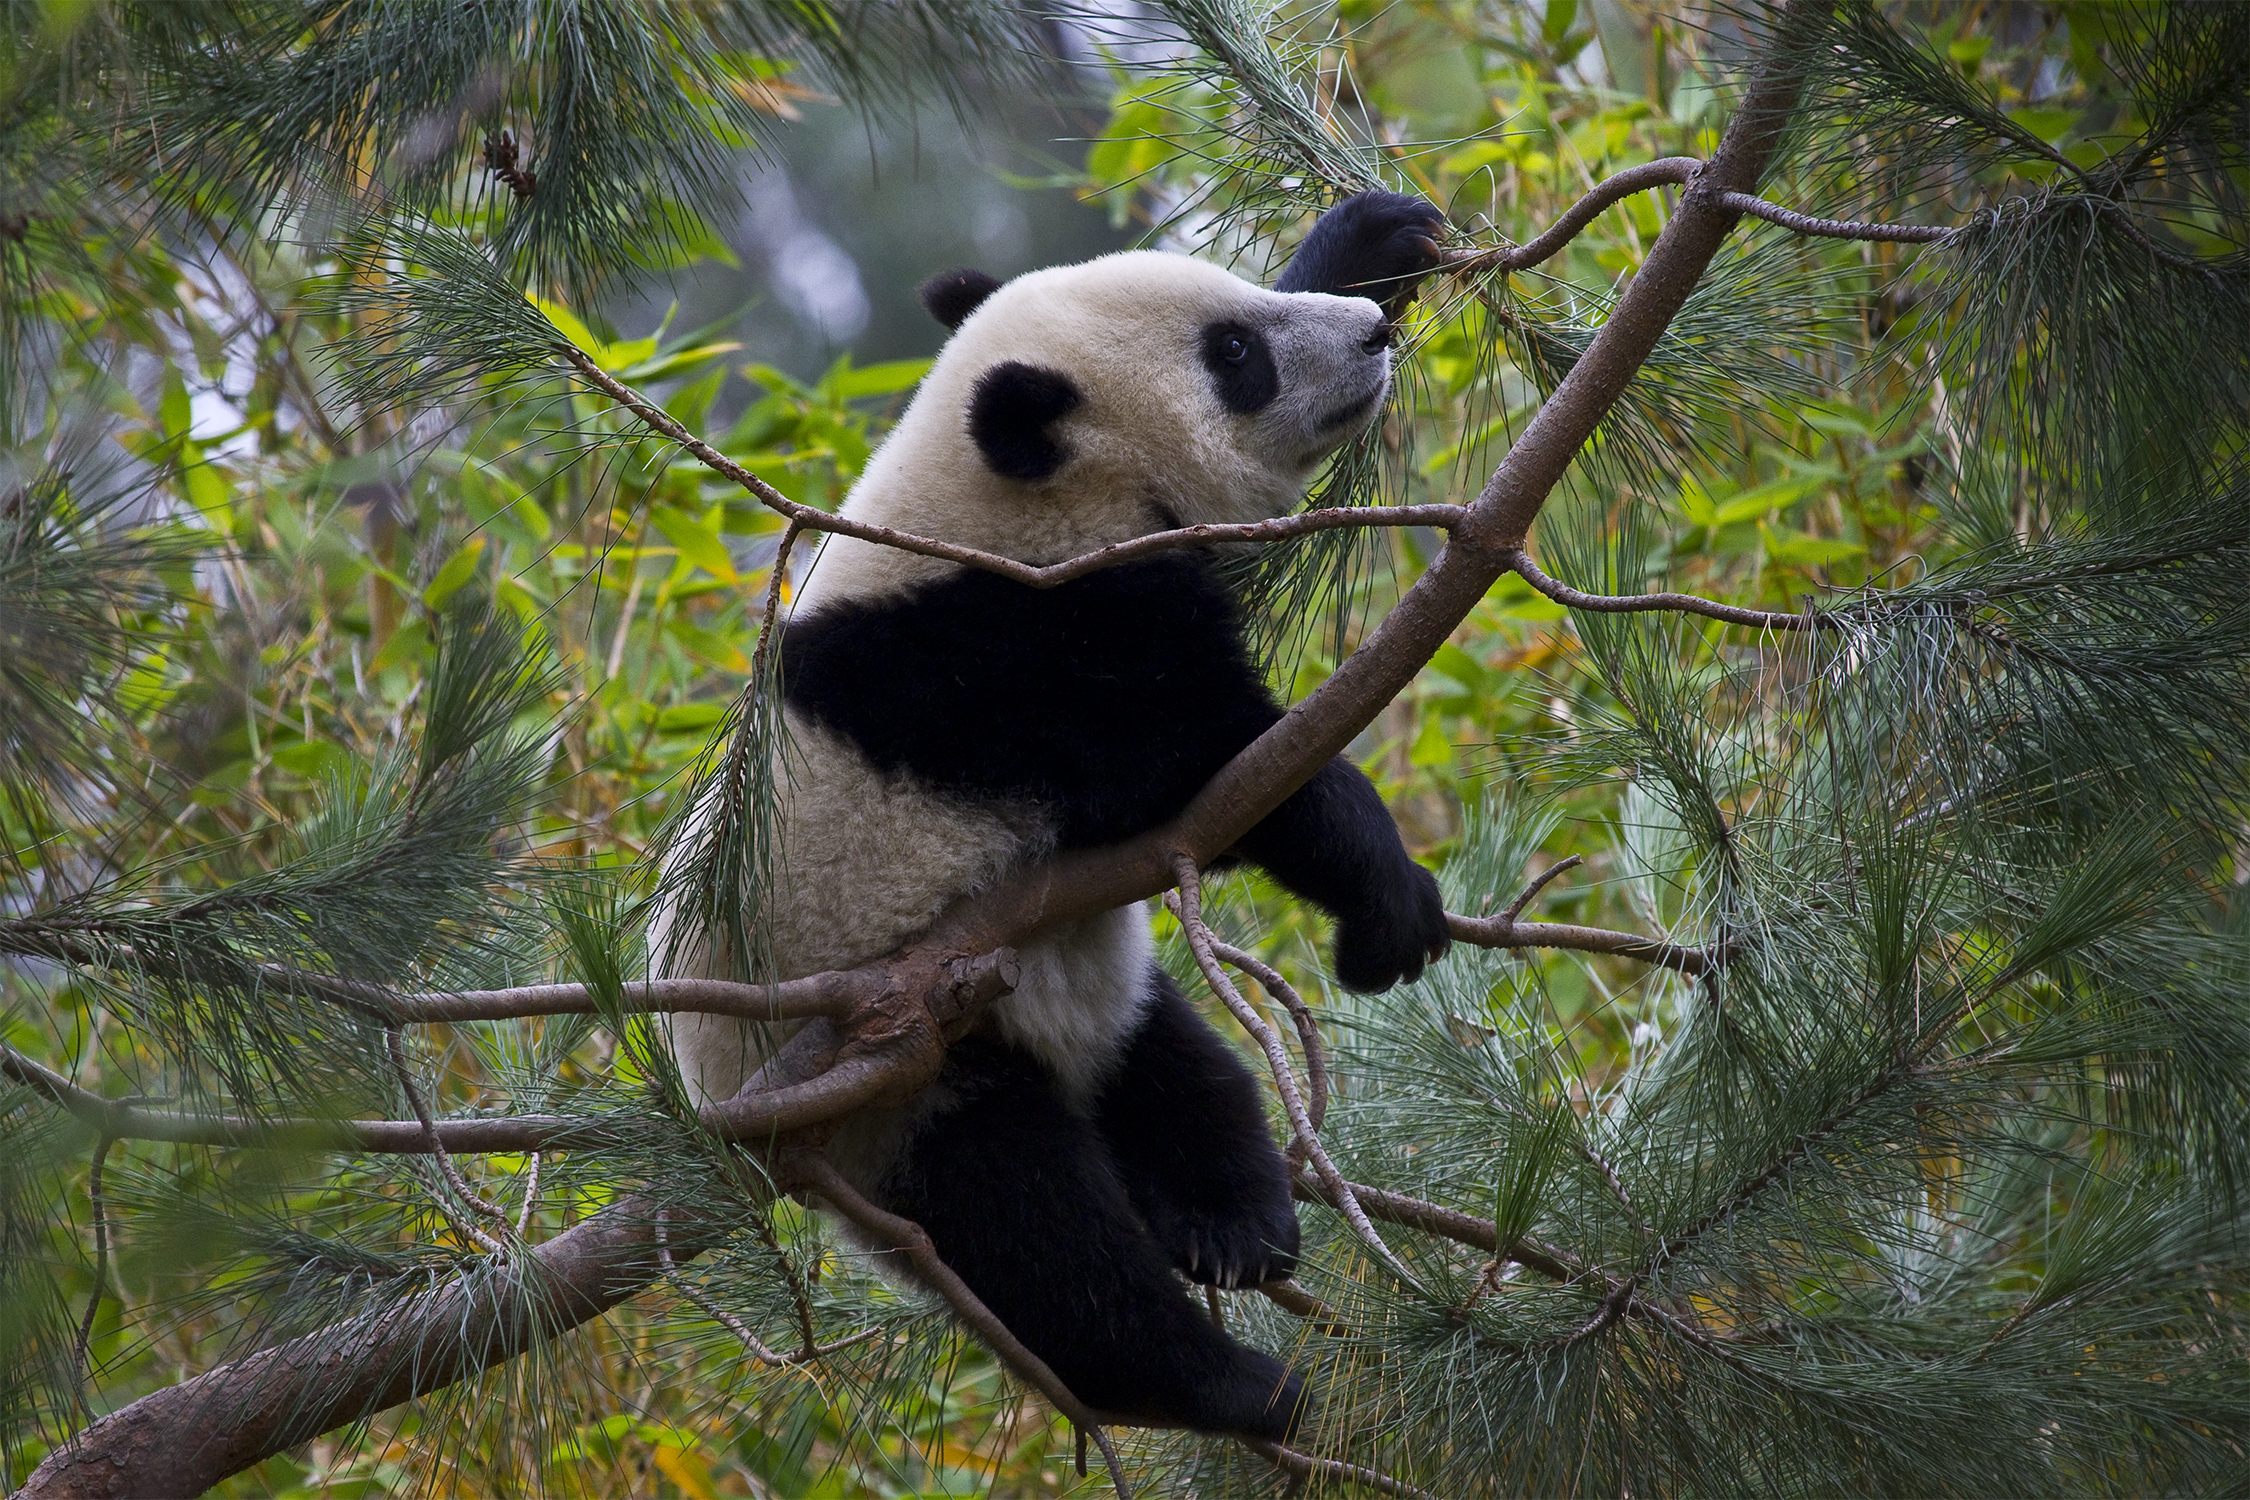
[1241,367]
[1010,413]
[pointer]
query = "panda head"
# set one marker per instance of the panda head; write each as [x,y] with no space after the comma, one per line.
[1161,378]
[1142,391]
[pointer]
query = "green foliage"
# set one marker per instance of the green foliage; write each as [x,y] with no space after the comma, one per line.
[342,633]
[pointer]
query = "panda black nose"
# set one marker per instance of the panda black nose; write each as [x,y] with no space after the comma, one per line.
[1379,337]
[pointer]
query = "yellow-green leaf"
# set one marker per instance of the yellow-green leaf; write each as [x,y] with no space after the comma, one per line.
[458,569]
[1433,746]
[405,645]
[1799,549]
[876,380]
[698,543]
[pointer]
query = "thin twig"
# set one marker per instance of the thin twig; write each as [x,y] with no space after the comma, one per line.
[444,1158]
[1613,1307]
[1503,930]
[1293,1298]
[530,1198]
[1669,169]
[1218,1312]
[1304,523]
[906,1235]
[764,649]
[1834,229]
[1616,1183]
[1449,1223]
[101,1257]
[1539,883]
[799,1293]
[1623,604]
[758,1349]
[1497,932]
[1305,1466]
[1188,905]
[1308,1035]
[832,993]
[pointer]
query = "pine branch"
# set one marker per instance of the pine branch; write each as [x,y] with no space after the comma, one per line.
[1304,523]
[1188,907]
[287,1395]
[1834,229]
[1614,604]
[903,1234]
[833,993]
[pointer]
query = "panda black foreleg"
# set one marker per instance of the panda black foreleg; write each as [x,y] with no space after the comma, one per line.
[1021,1197]
[1333,843]
[1183,1121]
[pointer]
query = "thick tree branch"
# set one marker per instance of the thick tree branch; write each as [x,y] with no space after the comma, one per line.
[184,1439]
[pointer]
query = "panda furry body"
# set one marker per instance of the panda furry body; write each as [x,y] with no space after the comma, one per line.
[1094,1139]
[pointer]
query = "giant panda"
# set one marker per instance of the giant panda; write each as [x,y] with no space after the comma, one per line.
[1094,1140]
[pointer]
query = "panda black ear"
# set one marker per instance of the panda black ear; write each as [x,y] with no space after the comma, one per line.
[1375,244]
[952,295]
[1010,413]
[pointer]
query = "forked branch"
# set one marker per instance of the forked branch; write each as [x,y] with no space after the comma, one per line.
[1189,908]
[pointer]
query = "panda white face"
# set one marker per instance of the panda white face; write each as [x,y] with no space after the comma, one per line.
[1088,404]
[1211,397]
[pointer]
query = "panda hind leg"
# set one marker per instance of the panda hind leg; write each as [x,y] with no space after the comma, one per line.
[1183,1119]
[1020,1197]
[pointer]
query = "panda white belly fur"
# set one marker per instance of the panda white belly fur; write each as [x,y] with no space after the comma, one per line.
[870,858]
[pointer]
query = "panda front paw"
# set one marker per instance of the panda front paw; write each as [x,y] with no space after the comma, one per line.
[1233,1249]
[1374,244]
[1403,932]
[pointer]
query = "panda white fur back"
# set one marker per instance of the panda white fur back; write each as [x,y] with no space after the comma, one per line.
[947,727]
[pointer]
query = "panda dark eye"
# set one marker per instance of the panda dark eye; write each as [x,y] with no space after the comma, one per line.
[1241,366]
